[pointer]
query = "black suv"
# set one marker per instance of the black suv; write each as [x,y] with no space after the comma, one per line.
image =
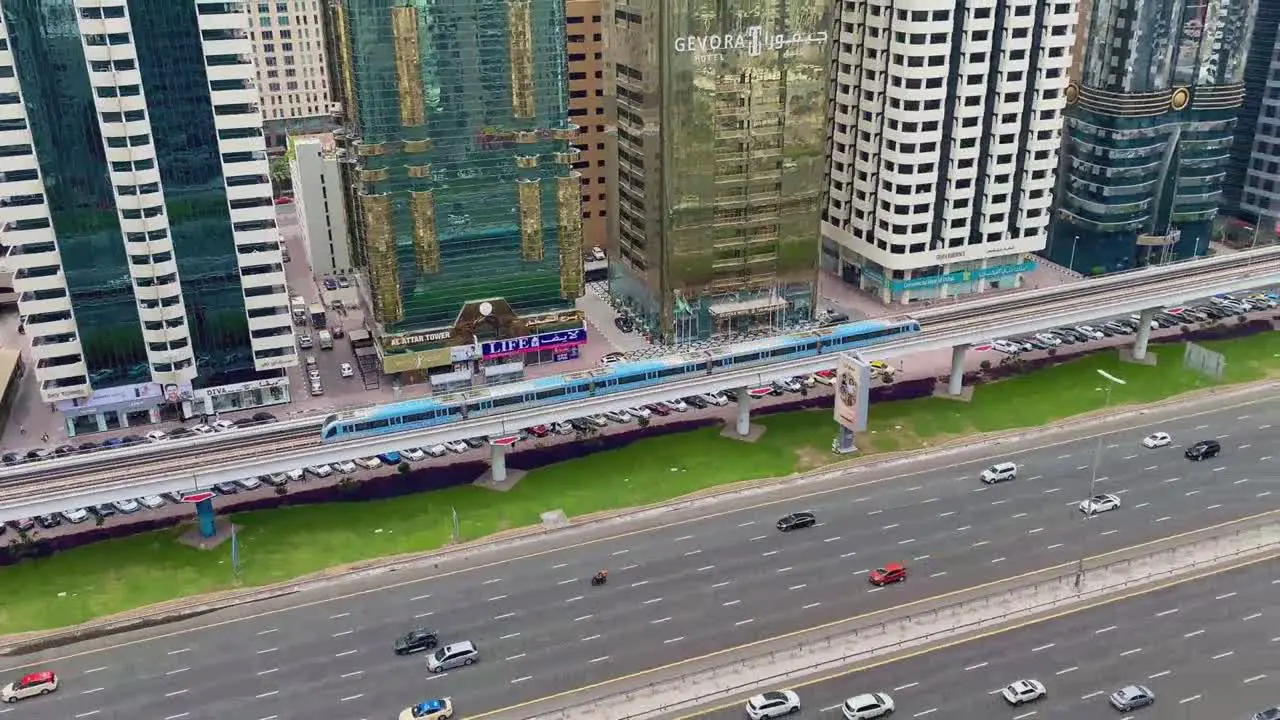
[1204,450]
[416,641]
[795,521]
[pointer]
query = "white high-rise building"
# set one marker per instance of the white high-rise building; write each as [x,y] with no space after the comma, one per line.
[946,121]
[136,209]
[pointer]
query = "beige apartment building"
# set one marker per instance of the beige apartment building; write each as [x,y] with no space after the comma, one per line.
[289,53]
[589,110]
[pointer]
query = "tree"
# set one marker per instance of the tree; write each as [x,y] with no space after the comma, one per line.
[1053,352]
[403,468]
[984,365]
[642,422]
[280,177]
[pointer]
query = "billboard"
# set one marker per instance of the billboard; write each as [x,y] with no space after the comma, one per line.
[554,340]
[853,383]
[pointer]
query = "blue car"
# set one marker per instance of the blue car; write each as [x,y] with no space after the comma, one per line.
[429,710]
[390,458]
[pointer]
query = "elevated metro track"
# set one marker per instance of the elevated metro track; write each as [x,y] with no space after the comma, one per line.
[192,463]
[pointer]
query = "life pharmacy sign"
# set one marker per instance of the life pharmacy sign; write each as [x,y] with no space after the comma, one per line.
[755,41]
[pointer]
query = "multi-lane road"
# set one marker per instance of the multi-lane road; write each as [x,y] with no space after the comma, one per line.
[1207,649]
[676,591]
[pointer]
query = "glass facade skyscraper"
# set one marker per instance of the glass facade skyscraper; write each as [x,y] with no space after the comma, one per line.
[137,206]
[1252,188]
[721,149]
[459,164]
[1149,131]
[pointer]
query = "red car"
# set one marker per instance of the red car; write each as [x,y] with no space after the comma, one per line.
[891,573]
[658,409]
[539,431]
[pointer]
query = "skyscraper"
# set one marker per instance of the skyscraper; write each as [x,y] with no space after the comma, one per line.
[461,186]
[289,52]
[137,205]
[1149,131]
[588,108]
[945,134]
[721,117]
[1252,187]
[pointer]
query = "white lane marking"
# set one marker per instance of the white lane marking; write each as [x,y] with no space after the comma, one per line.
[759,537]
[861,572]
[745,524]
[1241,481]
[908,541]
[1033,531]
[515,657]
[682,538]
[353,673]
[769,553]
[922,713]
[1170,611]
[260,634]
[349,698]
[731,603]
[720,584]
[962,529]
[179,652]
[623,551]
[90,692]
[848,554]
[1064,671]
[629,567]
[922,557]
[673,640]
[693,552]
[1226,654]
[175,693]
[566,582]
[1254,616]
[1108,532]
[811,606]
[508,636]
[1093,694]
[1130,652]
[1193,633]
[1130,457]
[1000,502]
[339,616]
[590,637]
[1025,715]
[521,679]
[980,543]
[913,488]
[1112,446]
[1162,519]
[1254,679]
[926,502]
[268,672]
[1189,493]
[831,539]
[908,686]
[798,587]
[976,667]
[748,621]
[1043,647]
[498,580]
[1172,480]
[949,513]
[1082,467]
[1149,469]
[178,671]
[602,658]
[91,713]
[1033,478]
[575,598]
[1263,494]
[889,527]
[782,570]
[345,653]
[659,621]
[185,714]
[1160,674]
[1051,490]
[1193,698]
[1201,427]
[496,598]
[1106,629]
[344,632]
[938,574]
[559,565]
[875,512]
[1226,596]
[1053,546]
[705,568]
[1064,457]
[638,583]
[1019,515]
[267,694]
[982,488]
[876,589]
[1213,507]
[997,560]
[1246,445]
[504,616]
[1265,457]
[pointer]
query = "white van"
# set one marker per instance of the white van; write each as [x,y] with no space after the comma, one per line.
[1000,472]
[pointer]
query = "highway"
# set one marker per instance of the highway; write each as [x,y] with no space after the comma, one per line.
[1207,649]
[676,591]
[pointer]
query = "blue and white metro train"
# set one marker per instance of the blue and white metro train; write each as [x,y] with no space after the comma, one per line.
[615,378]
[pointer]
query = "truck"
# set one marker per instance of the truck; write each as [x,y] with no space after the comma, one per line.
[299,306]
[326,340]
[317,316]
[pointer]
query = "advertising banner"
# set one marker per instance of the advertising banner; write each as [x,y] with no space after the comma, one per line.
[853,384]
[555,340]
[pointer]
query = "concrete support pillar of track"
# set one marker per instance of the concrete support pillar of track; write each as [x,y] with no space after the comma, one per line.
[742,428]
[498,463]
[1137,353]
[206,518]
[954,388]
[843,444]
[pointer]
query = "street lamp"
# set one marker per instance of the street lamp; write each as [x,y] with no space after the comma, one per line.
[1112,381]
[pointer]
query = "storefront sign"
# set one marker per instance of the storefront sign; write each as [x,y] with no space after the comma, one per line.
[973,252]
[532,343]
[241,387]
[959,276]
[417,338]
[395,363]
[753,42]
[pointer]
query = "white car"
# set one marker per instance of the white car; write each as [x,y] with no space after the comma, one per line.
[346,370]
[1023,691]
[457,446]
[126,507]
[715,398]
[788,384]
[612,358]
[640,412]
[294,475]
[809,381]
[1006,347]
[618,417]
[75,517]
[1089,331]
[251,483]
[598,420]
[1047,339]
[562,428]
[867,706]
[1157,440]
[156,435]
[368,463]
[314,374]
[202,429]
[676,405]
[224,426]
[412,454]
[320,470]
[346,467]
[773,704]
[437,451]
[151,502]
[1099,504]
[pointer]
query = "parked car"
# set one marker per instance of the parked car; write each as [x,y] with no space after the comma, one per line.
[368,463]
[436,451]
[320,471]
[457,446]
[412,454]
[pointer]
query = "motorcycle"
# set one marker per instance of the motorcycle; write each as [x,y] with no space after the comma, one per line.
[599,579]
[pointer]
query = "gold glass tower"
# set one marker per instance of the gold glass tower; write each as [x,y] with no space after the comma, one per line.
[721,140]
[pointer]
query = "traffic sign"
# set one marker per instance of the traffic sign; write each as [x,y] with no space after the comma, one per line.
[507,441]
[198,497]
[760,392]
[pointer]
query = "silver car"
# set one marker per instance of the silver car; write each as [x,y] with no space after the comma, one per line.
[1131,697]
[452,656]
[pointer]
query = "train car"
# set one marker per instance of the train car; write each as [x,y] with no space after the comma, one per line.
[615,378]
